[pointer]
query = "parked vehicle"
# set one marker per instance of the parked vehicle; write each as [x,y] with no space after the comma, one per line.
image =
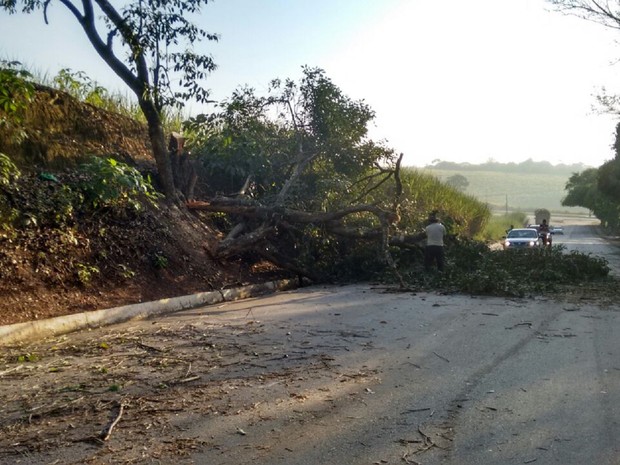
[522,238]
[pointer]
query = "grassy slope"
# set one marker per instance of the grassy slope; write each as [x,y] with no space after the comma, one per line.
[525,192]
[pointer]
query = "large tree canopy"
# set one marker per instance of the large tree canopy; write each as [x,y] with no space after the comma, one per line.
[149,45]
[584,191]
[296,173]
[458,181]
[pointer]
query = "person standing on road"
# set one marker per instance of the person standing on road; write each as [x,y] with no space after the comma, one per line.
[434,252]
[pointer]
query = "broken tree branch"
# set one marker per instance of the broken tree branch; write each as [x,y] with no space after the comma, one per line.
[107,431]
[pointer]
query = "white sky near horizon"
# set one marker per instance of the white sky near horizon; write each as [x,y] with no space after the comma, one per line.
[455,80]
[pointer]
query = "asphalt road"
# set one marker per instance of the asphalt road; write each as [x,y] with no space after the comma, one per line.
[339,375]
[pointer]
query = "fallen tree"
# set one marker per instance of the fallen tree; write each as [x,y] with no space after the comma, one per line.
[293,179]
[259,225]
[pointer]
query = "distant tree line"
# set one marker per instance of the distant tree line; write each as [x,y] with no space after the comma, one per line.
[527,166]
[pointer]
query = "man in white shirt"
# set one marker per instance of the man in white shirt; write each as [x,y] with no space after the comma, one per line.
[435,233]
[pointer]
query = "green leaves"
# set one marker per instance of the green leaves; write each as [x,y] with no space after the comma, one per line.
[109,183]
[79,85]
[591,188]
[15,91]
[8,174]
[85,273]
[29,357]
[161,33]
[8,171]
[473,268]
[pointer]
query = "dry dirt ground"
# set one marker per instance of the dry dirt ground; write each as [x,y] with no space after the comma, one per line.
[60,398]
[104,260]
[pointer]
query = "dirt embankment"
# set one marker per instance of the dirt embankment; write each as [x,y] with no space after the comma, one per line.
[57,130]
[56,260]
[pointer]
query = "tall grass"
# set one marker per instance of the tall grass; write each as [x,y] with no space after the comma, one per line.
[463,214]
[81,87]
[499,224]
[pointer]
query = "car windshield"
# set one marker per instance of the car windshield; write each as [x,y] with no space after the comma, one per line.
[522,234]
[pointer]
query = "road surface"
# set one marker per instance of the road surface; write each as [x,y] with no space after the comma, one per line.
[327,375]
[585,238]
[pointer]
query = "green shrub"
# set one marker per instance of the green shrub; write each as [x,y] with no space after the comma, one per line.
[85,272]
[499,224]
[52,206]
[109,183]
[160,261]
[8,171]
[472,268]
[15,91]
[80,86]
[8,175]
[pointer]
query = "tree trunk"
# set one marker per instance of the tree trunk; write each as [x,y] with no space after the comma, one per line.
[160,151]
[183,169]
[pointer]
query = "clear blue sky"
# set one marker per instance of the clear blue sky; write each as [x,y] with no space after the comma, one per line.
[453,80]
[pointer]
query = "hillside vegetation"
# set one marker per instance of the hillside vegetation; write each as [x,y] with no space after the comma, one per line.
[78,233]
[83,226]
[57,130]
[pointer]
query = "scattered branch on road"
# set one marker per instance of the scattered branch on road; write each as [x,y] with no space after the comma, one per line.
[107,431]
[414,410]
[406,459]
[188,380]
[525,323]
[149,348]
[441,357]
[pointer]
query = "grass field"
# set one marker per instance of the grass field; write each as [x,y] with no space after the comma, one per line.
[515,191]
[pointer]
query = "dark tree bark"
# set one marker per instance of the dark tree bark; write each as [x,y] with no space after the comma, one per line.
[138,80]
[183,169]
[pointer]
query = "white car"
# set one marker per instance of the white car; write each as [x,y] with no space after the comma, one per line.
[521,238]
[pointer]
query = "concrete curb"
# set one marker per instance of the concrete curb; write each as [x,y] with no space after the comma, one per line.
[21,332]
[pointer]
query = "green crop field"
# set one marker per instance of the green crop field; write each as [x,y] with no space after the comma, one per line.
[514,191]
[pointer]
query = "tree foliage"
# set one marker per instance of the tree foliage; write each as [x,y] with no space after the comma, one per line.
[310,126]
[583,191]
[155,55]
[598,189]
[296,181]
[526,167]
[458,181]
[300,173]
[15,95]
